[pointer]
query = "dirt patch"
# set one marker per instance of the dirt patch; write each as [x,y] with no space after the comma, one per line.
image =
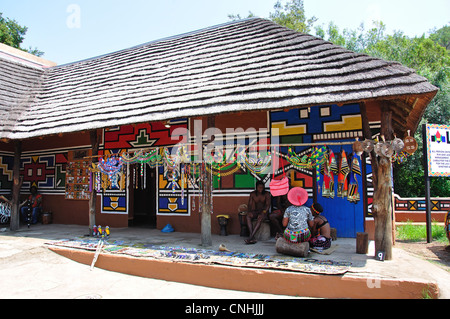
[435,252]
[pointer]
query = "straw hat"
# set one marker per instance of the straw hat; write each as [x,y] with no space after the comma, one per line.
[297,196]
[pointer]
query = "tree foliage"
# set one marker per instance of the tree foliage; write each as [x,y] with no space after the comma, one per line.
[13,34]
[292,15]
[428,56]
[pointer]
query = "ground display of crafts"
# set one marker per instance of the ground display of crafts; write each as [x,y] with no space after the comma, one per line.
[208,256]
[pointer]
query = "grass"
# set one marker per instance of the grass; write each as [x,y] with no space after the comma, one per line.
[412,232]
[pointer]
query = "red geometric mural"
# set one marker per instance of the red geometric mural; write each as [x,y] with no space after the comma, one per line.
[143,135]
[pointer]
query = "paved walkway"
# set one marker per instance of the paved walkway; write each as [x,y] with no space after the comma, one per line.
[36,272]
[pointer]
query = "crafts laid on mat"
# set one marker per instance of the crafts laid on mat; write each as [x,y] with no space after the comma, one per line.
[208,256]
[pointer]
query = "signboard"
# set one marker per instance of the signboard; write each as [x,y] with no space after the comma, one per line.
[438,146]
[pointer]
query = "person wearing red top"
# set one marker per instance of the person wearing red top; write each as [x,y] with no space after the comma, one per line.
[33,204]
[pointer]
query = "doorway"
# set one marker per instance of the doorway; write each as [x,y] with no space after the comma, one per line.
[143,196]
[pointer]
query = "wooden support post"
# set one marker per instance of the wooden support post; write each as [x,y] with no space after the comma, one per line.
[367,133]
[382,199]
[93,198]
[207,196]
[15,211]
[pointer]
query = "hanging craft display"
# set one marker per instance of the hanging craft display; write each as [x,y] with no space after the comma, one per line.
[329,169]
[386,148]
[112,169]
[299,161]
[397,144]
[368,145]
[377,149]
[152,158]
[317,158]
[255,163]
[344,170]
[224,167]
[279,187]
[353,194]
[410,144]
[358,147]
[78,180]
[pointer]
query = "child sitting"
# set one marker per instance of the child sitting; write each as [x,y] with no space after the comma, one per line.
[320,231]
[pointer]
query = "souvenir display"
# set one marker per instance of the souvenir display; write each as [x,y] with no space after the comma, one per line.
[397,144]
[377,149]
[221,256]
[181,174]
[78,180]
[358,147]
[112,168]
[410,144]
[386,149]
[329,169]
[344,169]
[368,145]
[353,194]
[279,187]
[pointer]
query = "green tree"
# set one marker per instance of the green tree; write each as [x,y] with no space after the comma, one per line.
[292,15]
[13,34]
[441,36]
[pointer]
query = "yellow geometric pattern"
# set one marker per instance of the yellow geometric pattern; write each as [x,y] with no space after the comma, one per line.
[348,123]
[284,130]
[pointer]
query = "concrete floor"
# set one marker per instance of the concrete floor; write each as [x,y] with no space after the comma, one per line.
[403,266]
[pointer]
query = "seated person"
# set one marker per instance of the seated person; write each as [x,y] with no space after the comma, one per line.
[33,204]
[297,218]
[279,205]
[258,207]
[320,230]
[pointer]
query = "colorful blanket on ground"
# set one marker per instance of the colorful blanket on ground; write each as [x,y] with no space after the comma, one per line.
[209,256]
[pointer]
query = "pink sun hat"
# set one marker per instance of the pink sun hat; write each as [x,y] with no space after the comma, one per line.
[298,196]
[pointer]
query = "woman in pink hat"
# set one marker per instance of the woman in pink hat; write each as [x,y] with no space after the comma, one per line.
[297,218]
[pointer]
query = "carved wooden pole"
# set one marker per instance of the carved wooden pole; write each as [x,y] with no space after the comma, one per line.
[207,197]
[382,199]
[93,198]
[367,133]
[15,211]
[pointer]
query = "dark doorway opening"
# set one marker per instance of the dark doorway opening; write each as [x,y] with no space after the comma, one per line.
[144,196]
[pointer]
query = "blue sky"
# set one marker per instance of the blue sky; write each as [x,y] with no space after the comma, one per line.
[110,25]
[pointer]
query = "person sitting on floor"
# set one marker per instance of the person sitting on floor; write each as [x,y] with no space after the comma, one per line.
[33,205]
[258,206]
[279,205]
[297,218]
[321,230]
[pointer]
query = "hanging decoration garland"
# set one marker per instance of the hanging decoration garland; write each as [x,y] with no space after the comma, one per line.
[257,165]
[181,173]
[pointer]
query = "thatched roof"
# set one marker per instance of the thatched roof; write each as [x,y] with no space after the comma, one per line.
[251,64]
